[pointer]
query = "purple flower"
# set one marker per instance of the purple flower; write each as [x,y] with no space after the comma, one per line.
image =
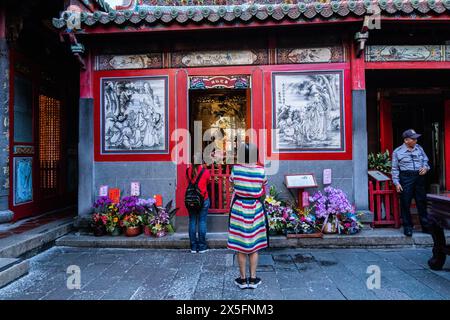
[130,205]
[101,204]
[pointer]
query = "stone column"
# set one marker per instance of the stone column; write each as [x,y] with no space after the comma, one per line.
[360,167]
[85,146]
[359,132]
[5,214]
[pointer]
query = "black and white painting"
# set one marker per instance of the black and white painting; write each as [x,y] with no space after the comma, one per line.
[308,111]
[134,115]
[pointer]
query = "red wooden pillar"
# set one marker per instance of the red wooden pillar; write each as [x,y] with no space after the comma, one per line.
[386,135]
[86,85]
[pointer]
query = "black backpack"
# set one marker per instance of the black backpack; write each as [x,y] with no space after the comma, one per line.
[193,198]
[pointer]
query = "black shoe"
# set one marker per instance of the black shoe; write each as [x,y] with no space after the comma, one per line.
[241,283]
[254,282]
[407,232]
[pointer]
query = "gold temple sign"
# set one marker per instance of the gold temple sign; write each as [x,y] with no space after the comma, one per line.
[300,181]
[214,82]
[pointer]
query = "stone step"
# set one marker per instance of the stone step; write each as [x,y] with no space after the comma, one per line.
[12,269]
[374,238]
[31,242]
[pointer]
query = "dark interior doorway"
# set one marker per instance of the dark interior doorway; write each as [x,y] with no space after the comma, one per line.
[425,114]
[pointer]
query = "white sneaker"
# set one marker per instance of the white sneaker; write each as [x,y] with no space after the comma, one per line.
[203,251]
[193,251]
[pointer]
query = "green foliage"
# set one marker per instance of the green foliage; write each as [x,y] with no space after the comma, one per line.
[380,161]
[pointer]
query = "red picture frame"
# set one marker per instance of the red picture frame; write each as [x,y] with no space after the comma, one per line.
[172,110]
[346,154]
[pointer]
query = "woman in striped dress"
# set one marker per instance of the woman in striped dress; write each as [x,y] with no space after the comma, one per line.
[247,231]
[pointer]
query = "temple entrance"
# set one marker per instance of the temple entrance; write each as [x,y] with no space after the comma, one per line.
[221,116]
[424,113]
[401,101]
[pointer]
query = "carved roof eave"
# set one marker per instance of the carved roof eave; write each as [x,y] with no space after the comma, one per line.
[332,10]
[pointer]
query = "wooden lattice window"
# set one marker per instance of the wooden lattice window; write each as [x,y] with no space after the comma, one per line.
[49,142]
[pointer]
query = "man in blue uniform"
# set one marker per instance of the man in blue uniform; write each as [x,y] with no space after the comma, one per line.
[409,166]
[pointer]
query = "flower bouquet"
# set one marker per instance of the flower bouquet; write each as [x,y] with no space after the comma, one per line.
[159,221]
[276,215]
[349,223]
[334,211]
[301,224]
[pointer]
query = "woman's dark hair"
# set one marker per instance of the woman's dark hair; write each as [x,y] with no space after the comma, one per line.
[249,151]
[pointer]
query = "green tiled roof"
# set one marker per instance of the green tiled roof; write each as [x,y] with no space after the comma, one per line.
[258,10]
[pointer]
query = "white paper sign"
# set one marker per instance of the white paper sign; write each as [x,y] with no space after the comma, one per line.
[379,176]
[103,192]
[135,189]
[326,176]
[301,181]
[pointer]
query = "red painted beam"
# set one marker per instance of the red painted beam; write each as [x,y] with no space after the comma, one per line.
[357,65]
[115,29]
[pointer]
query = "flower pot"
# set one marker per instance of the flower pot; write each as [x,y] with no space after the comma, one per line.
[329,228]
[99,231]
[160,233]
[147,231]
[116,232]
[133,231]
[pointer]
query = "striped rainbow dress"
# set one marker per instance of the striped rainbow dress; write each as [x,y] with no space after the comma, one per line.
[247,229]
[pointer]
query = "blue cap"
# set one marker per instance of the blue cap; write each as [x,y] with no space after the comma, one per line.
[410,133]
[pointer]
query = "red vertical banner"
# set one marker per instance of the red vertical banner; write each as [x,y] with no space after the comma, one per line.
[386,135]
[447,144]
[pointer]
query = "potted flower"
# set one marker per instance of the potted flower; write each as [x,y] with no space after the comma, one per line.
[113,223]
[149,206]
[159,221]
[98,224]
[132,224]
[329,206]
[99,217]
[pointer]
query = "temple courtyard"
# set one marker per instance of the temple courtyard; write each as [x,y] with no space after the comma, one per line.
[165,274]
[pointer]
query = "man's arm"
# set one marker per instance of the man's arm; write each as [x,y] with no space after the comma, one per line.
[395,169]
[425,159]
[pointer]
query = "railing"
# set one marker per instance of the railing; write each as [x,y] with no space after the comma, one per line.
[219,188]
[384,203]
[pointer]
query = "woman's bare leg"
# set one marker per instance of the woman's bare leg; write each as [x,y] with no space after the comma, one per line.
[253,264]
[242,260]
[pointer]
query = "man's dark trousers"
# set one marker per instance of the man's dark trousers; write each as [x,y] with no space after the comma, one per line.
[413,186]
